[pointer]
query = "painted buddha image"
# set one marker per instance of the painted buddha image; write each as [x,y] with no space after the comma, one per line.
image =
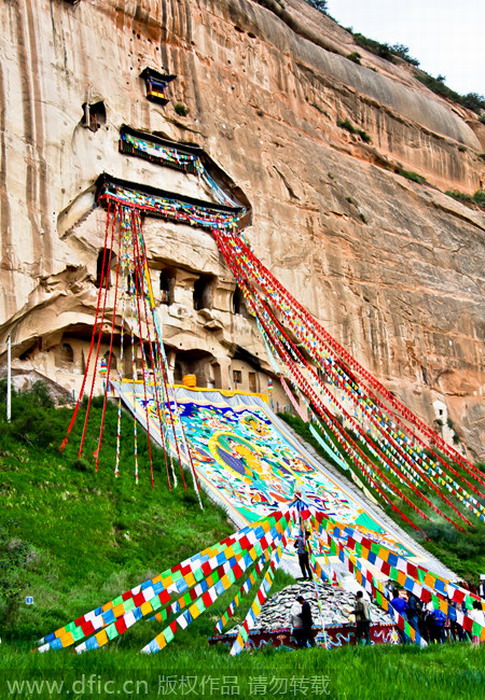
[254,425]
[252,464]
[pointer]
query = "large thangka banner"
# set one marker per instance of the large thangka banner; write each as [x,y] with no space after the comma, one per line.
[246,458]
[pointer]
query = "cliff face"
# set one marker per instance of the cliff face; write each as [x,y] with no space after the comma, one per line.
[393,268]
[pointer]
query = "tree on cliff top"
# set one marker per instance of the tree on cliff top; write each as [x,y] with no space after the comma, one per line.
[318,4]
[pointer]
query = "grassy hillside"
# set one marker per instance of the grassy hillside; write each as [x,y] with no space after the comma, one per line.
[74,538]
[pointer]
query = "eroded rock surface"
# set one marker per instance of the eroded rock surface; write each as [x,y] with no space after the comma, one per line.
[393,268]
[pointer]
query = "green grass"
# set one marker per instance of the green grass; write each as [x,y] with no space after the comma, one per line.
[375,673]
[74,538]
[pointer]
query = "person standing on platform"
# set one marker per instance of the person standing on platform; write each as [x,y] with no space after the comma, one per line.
[302,546]
[362,619]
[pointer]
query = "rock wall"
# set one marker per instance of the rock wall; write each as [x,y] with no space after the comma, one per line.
[393,268]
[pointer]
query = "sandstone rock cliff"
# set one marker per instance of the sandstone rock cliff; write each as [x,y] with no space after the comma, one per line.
[393,268]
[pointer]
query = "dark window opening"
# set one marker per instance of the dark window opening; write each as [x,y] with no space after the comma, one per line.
[237,301]
[103,268]
[203,289]
[425,375]
[94,116]
[65,355]
[252,381]
[237,376]
[114,363]
[167,285]
[177,373]
[195,362]
[217,375]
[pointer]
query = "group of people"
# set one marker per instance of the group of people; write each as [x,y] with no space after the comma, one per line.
[302,621]
[433,625]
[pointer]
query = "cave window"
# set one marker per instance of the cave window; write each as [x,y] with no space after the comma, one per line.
[425,375]
[237,301]
[203,288]
[156,84]
[252,381]
[66,355]
[94,116]
[237,376]
[103,268]
[177,373]
[167,282]
[113,364]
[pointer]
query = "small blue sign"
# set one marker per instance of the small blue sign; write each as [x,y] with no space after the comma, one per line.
[29,600]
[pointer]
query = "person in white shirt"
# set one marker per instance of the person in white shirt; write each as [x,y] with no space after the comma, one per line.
[297,623]
[477,615]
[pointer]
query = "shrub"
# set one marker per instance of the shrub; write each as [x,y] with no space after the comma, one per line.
[403,52]
[375,47]
[181,109]
[348,126]
[411,175]
[364,135]
[355,57]
[319,5]
[478,198]
[471,101]
[320,109]
[460,196]
[345,124]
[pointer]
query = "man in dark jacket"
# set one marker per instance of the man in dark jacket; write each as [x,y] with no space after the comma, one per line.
[307,622]
[362,618]
[414,608]
[303,548]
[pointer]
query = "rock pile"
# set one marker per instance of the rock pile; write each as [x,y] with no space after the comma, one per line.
[337,605]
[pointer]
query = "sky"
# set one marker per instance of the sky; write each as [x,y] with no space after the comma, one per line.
[446,36]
